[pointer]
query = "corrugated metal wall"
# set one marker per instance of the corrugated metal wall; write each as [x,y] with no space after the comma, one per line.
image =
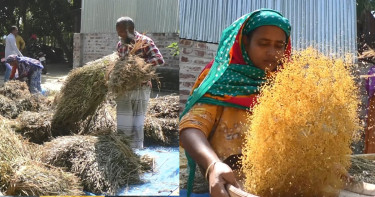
[329,25]
[153,16]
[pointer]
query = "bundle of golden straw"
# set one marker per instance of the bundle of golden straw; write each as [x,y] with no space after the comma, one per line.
[87,87]
[22,172]
[299,136]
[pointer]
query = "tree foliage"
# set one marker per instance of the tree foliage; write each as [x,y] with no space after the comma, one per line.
[365,8]
[53,18]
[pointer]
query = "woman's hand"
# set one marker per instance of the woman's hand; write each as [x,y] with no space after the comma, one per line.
[219,175]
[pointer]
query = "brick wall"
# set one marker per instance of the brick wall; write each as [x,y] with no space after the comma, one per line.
[88,47]
[194,56]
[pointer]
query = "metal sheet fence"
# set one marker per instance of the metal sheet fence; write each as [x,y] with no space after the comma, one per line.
[156,16]
[328,25]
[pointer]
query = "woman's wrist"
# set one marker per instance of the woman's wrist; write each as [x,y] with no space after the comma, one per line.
[210,168]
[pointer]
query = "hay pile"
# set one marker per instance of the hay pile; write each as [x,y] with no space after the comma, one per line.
[16,98]
[102,122]
[104,163]
[22,173]
[161,123]
[87,87]
[300,134]
[362,170]
[161,131]
[164,106]
[35,179]
[35,126]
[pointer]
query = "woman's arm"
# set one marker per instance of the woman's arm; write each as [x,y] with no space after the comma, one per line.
[219,174]
[14,68]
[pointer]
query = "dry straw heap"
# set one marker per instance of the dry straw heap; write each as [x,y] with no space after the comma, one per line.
[88,87]
[103,163]
[35,126]
[161,123]
[299,135]
[16,98]
[22,172]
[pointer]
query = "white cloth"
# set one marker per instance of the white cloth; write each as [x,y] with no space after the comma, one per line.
[131,112]
[11,46]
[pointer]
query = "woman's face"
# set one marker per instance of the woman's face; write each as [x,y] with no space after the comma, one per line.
[266,47]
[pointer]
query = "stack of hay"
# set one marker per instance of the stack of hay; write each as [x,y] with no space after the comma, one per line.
[161,123]
[103,163]
[85,106]
[22,173]
[32,113]
[362,170]
[35,126]
[87,87]
[299,135]
[16,98]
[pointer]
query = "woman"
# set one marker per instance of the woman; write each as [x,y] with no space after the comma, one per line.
[370,129]
[27,68]
[211,126]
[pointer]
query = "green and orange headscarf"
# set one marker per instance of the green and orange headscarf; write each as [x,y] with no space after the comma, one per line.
[231,79]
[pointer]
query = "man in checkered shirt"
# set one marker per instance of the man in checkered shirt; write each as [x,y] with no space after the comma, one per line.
[131,108]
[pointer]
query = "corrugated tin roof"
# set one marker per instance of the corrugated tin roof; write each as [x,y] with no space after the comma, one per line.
[329,25]
[156,16]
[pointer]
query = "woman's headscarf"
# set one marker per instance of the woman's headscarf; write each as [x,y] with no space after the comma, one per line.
[232,79]
[11,58]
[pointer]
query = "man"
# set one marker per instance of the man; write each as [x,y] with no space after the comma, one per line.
[11,49]
[20,43]
[131,108]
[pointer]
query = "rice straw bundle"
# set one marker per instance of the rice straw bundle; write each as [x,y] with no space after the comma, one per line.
[300,133]
[14,89]
[35,126]
[16,98]
[12,147]
[362,170]
[22,173]
[103,121]
[161,123]
[87,87]
[164,106]
[8,108]
[162,131]
[83,91]
[124,76]
[104,163]
[35,178]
